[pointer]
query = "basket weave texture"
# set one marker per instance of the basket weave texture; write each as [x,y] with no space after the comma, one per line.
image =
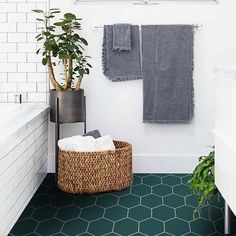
[93,172]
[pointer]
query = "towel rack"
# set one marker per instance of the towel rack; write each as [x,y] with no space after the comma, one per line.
[196,26]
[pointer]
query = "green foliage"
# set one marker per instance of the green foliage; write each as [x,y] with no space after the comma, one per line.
[62,40]
[202,182]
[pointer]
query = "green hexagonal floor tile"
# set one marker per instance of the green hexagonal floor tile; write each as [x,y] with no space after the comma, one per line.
[211,212]
[40,201]
[107,200]
[202,227]
[44,213]
[92,213]
[174,201]
[141,190]
[192,200]
[62,201]
[151,227]
[151,201]
[182,190]
[49,227]
[85,201]
[24,227]
[171,180]
[139,213]
[136,180]
[75,227]
[116,213]
[177,227]
[162,190]
[129,201]
[100,227]
[121,193]
[126,227]
[54,191]
[186,213]
[186,179]
[26,213]
[42,189]
[68,213]
[163,213]
[152,180]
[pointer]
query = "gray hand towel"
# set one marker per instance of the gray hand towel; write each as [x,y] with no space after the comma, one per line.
[167,73]
[124,65]
[122,37]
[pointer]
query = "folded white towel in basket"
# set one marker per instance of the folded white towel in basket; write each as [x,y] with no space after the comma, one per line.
[86,143]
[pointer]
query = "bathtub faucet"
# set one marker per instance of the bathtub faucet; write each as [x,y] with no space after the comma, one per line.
[18,98]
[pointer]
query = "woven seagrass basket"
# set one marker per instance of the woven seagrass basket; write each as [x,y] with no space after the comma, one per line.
[94,172]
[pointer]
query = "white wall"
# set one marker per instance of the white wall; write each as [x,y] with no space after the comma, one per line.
[116,108]
[21,70]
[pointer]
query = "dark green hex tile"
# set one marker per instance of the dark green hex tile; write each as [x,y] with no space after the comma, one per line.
[42,189]
[49,180]
[138,234]
[151,227]
[202,227]
[49,227]
[171,180]
[163,213]
[116,213]
[107,201]
[126,227]
[86,234]
[151,201]
[136,180]
[62,201]
[185,213]
[141,190]
[112,234]
[40,200]
[121,193]
[186,179]
[142,175]
[54,191]
[162,190]
[177,227]
[75,227]
[24,227]
[191,234]
[85,201]
[217,201]
[192,200]
[182,190]
[56,234]
[68,213]
[211,213]
[174,201]
[139,213]
[92,213]
[26,213]
[100,227]
[165,234]
[129,201]
[152,180]
[44,213]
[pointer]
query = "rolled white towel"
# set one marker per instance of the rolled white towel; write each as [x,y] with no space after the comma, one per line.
[105,143]
[78,144]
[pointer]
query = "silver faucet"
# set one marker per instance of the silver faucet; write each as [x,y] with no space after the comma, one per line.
[18,98]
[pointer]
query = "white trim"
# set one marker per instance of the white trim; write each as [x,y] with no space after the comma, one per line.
[155,163]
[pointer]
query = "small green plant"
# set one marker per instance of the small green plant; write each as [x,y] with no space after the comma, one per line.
[63,42]
[202,182]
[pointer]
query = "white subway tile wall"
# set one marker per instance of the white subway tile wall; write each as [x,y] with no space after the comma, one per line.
[20,68]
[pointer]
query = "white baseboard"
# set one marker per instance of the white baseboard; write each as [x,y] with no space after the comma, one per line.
[155,163]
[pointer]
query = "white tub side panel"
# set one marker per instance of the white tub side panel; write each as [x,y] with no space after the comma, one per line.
[22,169]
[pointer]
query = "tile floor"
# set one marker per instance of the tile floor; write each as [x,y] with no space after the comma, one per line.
[156,204]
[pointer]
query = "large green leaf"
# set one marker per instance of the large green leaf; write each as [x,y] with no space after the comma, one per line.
[70,16]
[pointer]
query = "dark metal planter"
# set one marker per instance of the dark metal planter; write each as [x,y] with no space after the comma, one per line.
[71,106]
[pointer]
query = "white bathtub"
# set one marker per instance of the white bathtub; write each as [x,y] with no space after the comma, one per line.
[23,158]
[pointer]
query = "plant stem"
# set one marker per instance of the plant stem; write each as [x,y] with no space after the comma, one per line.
[55,84]
[65,73]
[77,87]
[70,72]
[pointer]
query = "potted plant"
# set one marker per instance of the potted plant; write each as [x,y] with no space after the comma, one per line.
[62,42]
[202,182]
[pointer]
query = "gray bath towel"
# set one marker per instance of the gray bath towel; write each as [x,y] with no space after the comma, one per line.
[167,59]
[122,37]
[124,65]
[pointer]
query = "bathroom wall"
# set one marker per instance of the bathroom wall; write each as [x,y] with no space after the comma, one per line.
[116,108]
[20,69]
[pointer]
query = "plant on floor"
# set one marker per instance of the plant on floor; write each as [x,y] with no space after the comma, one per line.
[62,42]
[202,182]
